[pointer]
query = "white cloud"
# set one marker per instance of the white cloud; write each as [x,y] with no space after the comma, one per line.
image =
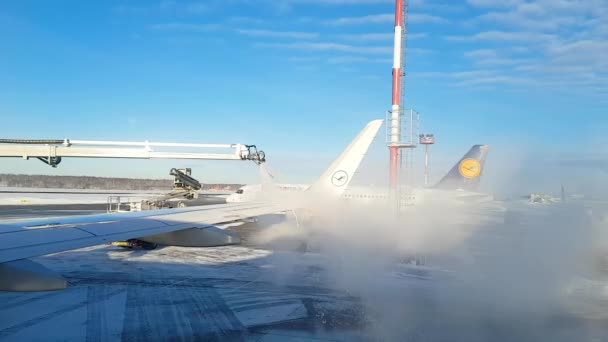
[421,18]
[283,6]
[503,36]
[424,4]
[538,20]
[372,37]
[278,34]
[558,44]
[339,2]
[418,51]
[481,53]
[452,7]
[307,46]
[196,8]
[494,80]
[306,68]
[247,20]
[300,59]
[357,59]
[586,52]
[368,19]
[519,49]
[369,37]
[185,27]
[543,15]
[474,78]
[414,36]
[461,75]
[164,7]
[347,60]
[492,57]
[387,18]
[493,3]
[511,42]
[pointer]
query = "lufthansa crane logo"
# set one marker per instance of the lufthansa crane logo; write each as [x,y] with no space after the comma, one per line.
[339,178]
[469,168]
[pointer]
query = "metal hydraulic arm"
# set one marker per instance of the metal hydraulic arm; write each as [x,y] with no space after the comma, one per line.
[185,187]
[184,180]
[52,151]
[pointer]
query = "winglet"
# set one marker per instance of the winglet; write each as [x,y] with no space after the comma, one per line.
[339,174]
[465,175]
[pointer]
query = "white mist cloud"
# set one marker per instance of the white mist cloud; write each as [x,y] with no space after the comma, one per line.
[510,265]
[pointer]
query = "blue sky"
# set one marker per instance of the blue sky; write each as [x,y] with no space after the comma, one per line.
[299,78]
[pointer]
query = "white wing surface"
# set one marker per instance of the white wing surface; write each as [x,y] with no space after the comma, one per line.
[26,239]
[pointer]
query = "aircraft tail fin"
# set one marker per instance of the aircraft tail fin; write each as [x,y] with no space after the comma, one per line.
[465,175]
[339,174]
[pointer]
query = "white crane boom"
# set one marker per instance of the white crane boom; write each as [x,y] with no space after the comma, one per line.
[51,151]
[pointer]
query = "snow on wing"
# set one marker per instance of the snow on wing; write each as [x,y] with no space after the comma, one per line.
[26,239]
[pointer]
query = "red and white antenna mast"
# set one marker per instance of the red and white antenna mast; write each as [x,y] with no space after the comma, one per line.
[395,117]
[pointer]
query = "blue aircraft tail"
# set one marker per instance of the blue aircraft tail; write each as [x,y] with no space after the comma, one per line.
[465,175]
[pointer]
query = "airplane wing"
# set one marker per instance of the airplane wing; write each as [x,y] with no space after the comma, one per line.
[26,239]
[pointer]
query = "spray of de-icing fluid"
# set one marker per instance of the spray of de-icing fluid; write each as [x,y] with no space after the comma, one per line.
[491,269]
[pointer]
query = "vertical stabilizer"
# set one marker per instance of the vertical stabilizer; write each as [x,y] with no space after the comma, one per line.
[339,174]
[465,175]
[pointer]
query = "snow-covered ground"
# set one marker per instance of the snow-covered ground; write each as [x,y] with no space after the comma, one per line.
[243,293]
[84,191]
[182,293]
[42,196]
[260,293]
